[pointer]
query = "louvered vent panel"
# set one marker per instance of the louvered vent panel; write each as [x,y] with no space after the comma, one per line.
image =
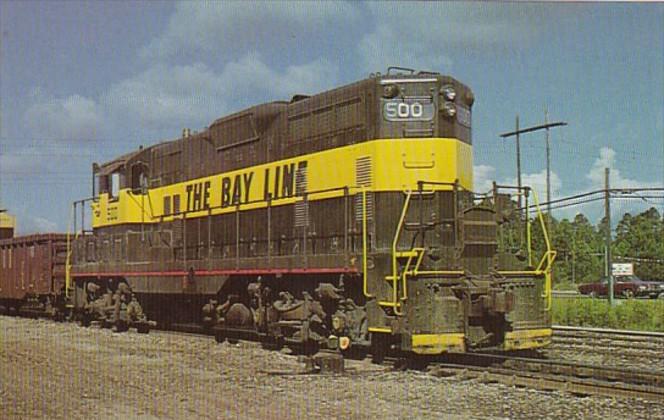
[363,178]
[301,206]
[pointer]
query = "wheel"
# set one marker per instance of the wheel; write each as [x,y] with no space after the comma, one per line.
[377,356]
[219,336]
[121,326]
[379,347]
[628,293]
[355,353]
[592,294]
[143,328]
[239,316]
[310,348]
[273,344]
[85,320]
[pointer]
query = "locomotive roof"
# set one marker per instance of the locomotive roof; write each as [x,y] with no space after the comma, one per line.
[270,109]
[115,164]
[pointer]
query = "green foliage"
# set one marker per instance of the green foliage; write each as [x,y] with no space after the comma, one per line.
[642,237]
[565,285]
[632,314]
[580,246]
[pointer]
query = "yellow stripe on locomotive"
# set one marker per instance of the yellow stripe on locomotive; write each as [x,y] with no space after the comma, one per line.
[396,165]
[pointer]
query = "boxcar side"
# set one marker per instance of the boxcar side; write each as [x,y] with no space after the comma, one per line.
[32,270]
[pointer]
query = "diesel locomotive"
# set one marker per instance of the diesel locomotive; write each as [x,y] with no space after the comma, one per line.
[344,219]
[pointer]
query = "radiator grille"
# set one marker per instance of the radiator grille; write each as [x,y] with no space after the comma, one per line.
[363,178]
[302,205]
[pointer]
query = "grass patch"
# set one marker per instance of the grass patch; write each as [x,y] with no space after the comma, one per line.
[565,285]
[632,314]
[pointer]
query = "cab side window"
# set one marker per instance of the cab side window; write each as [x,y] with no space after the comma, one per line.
[103,186]
[115,185]
[139,177]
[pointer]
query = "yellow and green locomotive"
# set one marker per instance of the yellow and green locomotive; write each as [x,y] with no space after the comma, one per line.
[342,219]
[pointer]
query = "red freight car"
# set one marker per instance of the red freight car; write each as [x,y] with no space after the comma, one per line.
[32,273]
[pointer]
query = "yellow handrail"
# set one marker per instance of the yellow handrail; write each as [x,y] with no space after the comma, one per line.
[395,275]
[404,288]
[416,254]
[549,256]
[546,262]
[528,240]
[69,251]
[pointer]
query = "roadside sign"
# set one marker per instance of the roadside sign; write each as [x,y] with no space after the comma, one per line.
[622,269]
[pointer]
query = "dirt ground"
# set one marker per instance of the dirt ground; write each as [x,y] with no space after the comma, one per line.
[62,371]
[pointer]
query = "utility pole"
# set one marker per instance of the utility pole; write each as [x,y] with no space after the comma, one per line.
[546,126]
[574,255]
[548,165]
[607,216]
[518,159]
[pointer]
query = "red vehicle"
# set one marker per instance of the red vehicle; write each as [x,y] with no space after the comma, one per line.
[626,286]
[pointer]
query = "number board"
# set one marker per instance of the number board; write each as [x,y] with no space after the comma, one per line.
[420,109]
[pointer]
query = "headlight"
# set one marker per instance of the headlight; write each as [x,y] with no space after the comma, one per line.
[449,109]
[661,286]
[448,92]
[390,91]
[642,287]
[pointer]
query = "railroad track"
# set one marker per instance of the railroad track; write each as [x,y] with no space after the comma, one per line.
[535,372]
[532,372]
[558,375]
[562,330]
[608,341]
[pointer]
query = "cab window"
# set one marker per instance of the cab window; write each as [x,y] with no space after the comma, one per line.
[115,184]
[139,178]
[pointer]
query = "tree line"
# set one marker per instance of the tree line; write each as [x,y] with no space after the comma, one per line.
[581,246]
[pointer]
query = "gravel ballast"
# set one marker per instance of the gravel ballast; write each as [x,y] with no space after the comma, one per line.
[62,371]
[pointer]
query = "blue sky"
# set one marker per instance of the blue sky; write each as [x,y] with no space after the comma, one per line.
[85,81]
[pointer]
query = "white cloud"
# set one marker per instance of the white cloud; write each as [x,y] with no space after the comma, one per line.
[72,118]
[164,94]
[607,159]
[55,130]
[22,161]
[194,95]
[232,28]
[632,203]
[44,225]
[537,181]
[28,225]
[483,175]
[251,74]
[424,34]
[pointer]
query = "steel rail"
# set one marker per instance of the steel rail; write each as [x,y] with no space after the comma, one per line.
[561,375]
[553,382]
[607,331]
